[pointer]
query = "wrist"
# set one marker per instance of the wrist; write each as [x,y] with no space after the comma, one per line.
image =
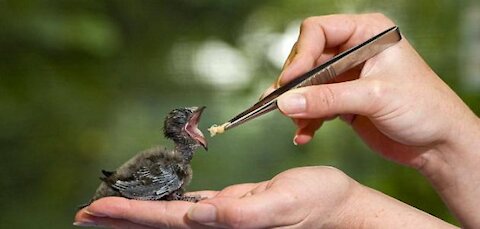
[368,208]
[454,158]
[452,168]
[460,150]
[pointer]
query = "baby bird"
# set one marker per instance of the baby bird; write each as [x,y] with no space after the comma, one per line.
[158,173]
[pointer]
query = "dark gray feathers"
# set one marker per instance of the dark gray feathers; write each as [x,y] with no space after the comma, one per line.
[154,174]
[150,183]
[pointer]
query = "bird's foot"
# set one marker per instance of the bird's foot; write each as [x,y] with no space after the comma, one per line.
[193,198]
[189,198]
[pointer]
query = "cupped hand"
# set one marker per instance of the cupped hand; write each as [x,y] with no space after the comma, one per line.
[394,101]
[304,197]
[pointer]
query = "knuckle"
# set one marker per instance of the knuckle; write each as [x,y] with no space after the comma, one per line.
[378,90]
[333,172]
[235,217]
[313,171]
[337,179]
[329,97]
[308,22]
[378,93]
[321,100]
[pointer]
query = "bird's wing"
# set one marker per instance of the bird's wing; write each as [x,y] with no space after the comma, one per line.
[150,183]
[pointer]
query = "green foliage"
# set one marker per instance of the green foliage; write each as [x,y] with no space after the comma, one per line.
[86,84]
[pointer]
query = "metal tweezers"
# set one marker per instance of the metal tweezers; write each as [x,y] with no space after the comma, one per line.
[322,74]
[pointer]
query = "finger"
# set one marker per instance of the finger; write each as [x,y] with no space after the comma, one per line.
[300,122]
[263,210]
[305,134]
[165,214]
[105,222]
[300,136]
[290,57]
[327,54]
[287,63]
[84,219]
[324,57]
[330,32]
[364,97]
[121,224]
[316,33]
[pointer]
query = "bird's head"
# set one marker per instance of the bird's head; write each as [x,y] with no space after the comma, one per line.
[181,125]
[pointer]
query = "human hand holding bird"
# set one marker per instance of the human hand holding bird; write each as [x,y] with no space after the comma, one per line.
[308,197]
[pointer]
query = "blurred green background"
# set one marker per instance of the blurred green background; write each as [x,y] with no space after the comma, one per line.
[86,84]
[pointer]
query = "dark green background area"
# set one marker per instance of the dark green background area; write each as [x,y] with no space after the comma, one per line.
[86,84]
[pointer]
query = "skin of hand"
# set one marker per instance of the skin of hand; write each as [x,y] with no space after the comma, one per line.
[308,197]
[395,102]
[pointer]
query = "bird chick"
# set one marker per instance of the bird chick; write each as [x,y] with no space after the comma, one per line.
[158,173]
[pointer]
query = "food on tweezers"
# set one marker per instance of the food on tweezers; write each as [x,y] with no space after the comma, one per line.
[216,129]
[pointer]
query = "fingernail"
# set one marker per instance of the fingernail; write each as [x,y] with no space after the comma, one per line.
[295,140]
[292,103]
[203,213]
[84,223]
[94,213]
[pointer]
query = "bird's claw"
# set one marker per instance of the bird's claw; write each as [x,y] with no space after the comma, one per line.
[193,199]
[189,198]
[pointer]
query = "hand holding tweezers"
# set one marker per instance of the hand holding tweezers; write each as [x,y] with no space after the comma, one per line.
[322,74]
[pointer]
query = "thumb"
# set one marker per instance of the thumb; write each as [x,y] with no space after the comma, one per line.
[247,212]
[361,96]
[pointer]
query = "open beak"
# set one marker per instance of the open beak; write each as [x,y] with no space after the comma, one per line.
[192,127]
